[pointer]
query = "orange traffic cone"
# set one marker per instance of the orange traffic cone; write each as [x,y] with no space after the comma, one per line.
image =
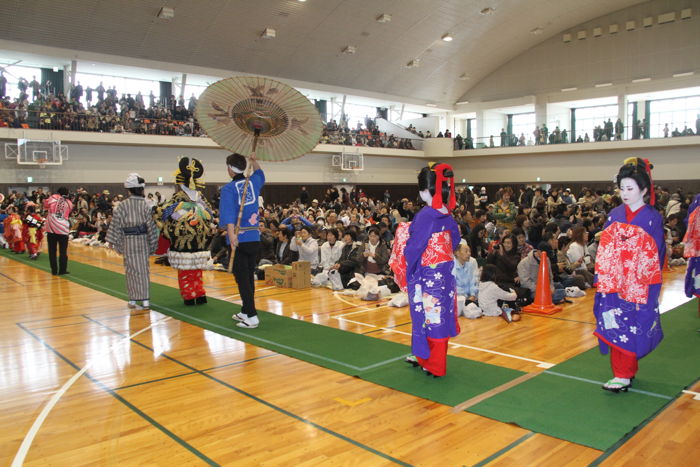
[543,304]
[666,268]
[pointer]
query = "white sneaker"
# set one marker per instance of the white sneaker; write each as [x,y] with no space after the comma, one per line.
[250,322]
[145,305]
[131,304]
[239,317]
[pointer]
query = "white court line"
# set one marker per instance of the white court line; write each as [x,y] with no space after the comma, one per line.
[27,442]
[696,395]
[362,310]
[237,294]
[540,364]
[155,307]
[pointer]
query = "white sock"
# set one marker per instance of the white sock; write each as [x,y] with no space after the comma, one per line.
[146,303]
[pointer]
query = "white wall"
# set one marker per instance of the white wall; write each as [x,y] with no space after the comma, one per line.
[656,52]
[110,163]
[599,163]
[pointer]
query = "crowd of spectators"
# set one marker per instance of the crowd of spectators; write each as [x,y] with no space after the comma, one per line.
[369,135]
[103,110]
[352,233]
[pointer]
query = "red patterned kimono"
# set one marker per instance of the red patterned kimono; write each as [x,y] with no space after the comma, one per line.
[422,262]
[628,273]
[32,234]
[13,232]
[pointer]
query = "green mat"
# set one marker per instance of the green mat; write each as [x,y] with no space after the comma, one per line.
[566,401]
[369,358]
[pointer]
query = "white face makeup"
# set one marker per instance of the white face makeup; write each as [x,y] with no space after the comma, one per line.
[630,193]
[426,197]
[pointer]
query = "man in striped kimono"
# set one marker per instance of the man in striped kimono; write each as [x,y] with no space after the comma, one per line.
[134,235]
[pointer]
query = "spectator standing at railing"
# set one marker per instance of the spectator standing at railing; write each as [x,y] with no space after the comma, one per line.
[503,137]
[619,129]
[3,84]
[34,84]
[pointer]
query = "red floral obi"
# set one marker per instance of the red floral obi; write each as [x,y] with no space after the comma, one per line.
[627,262]
[439,249]
[691,240]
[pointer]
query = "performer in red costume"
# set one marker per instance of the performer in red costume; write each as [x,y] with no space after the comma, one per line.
[13,230]
[628,276]
[32,235]
[422,262]
[692,250]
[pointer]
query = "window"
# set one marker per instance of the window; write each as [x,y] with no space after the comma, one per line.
[587,118]
[14,73]
[678,113]
[524,124]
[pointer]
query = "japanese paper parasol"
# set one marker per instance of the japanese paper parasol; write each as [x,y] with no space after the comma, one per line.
[250,113]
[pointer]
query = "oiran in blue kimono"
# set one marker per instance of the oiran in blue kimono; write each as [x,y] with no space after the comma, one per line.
[628,276]
[423,261]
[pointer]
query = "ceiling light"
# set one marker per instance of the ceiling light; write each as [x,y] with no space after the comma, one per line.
[413,63]
[268,33]
[568,89]
[641,80]
[447,37]
[487,11]
[463,102]
[166,13]
[603,85]
[431,105]
[681,75]
[349,49]
[302,1]
[383,18]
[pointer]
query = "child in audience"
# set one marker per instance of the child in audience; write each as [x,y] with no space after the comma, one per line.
[490,294]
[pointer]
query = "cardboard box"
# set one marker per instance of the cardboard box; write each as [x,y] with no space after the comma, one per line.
[301,275]
[296,276]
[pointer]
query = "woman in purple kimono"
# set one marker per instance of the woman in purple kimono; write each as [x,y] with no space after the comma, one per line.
[628,276]
[692,250]
[432,291]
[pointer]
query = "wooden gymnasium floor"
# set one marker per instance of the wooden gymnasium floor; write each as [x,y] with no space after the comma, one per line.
[191,395]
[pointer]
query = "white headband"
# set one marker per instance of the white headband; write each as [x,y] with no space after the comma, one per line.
[236,169]
[132,181]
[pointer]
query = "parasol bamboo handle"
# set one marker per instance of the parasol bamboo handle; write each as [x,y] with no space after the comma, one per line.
[248,169]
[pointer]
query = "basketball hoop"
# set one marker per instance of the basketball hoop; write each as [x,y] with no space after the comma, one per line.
[42,162]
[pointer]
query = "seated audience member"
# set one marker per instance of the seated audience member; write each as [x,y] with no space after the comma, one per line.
[283,251]
[330,250]
[375,254]
[267,244]
[491,297]
[295,221]
[478,243]
[578,256]
[350,258]
[466,272]
[523,247]
[506,258]
[307,247]
[528,271]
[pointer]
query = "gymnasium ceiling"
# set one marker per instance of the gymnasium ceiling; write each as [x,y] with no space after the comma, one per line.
[310,36]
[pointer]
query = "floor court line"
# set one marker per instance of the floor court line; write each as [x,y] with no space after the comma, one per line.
[539,363]
[256,290]
[273,406]
[155,306]
[29,438]
[600,383]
